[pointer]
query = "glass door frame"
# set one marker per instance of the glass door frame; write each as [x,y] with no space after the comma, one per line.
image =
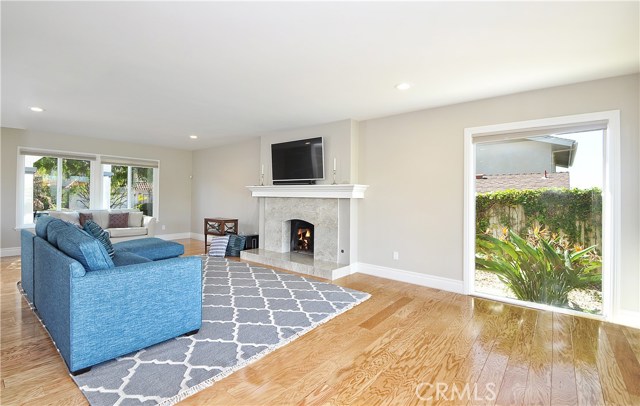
[610,121]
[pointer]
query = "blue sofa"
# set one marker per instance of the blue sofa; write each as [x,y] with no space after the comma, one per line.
[97,308]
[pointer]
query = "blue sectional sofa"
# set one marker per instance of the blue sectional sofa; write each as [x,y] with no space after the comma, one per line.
[97,308]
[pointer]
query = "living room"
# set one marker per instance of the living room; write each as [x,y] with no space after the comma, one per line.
[140,94]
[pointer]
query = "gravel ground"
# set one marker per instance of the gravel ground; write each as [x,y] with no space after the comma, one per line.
[587,300]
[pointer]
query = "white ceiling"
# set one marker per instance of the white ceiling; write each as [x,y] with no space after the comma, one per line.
[155,72]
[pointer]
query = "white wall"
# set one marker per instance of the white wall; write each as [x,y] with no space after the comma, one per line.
[220,177]
[414,165]
[175,170]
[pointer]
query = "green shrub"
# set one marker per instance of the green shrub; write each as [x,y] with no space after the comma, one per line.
[542,269]
[559,210]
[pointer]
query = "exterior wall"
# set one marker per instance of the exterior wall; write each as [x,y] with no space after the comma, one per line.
[514,157]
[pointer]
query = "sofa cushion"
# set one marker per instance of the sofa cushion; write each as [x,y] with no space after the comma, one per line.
[83,217]
[127,232]
[152,248]
[84,248]
[72,217]
[118,220]
[219,246]
[41,226]
[135,219]
[99,234]
[55,229]
[101,217]
[122,258]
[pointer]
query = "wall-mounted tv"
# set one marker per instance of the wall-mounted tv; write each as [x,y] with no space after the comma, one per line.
[300,161]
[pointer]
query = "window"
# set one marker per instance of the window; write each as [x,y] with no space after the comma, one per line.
[129,187]
[595,182]
[54,180]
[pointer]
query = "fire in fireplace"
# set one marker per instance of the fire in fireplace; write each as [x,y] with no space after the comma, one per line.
[301,237]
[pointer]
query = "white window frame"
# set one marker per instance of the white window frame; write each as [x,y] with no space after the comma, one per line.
[611,205]
[96,179]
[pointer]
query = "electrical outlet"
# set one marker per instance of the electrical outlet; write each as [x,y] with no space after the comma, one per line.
[396,256]
[164,227]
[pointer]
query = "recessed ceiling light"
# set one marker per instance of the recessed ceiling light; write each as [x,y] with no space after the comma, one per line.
[404,86]
[36,109]
[193,137]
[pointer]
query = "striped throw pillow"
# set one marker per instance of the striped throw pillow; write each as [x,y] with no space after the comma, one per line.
[218,246]
[99,234]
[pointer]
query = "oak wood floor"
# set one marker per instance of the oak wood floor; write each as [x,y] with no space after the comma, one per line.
[407,345]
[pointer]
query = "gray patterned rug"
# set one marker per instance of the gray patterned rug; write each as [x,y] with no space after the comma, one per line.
[247,312]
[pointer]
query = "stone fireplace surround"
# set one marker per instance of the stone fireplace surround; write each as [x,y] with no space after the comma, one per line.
[322,213]
[332,209]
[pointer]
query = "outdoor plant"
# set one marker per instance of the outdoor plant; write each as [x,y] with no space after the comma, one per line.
[542,268]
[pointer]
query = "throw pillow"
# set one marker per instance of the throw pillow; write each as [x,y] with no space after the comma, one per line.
[135,219]
[99,234]
[236,244]
[219,246]
[118,220]
[84,217]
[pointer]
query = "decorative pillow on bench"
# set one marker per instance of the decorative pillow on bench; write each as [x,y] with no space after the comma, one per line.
[219,246]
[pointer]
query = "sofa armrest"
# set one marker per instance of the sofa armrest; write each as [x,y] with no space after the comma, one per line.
[120,310]
[150,223]
[53,272]
[26,262]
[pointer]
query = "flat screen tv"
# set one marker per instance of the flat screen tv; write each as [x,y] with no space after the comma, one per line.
[300,161]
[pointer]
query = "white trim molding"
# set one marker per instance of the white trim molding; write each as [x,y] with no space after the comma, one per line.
[430,281]
[197,236]
[9,252]
[311,191]
[607,120]
[176,236]
[627,318]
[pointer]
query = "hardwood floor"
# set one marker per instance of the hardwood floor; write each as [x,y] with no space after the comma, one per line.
[407,345]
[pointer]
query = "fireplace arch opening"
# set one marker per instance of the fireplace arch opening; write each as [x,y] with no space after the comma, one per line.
[302,233]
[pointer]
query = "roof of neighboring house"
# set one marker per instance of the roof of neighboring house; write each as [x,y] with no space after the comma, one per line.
[142,186]
[521,181]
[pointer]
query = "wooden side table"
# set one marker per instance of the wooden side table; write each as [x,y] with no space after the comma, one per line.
[218,226]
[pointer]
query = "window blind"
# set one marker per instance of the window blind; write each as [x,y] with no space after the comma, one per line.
[56,154]
[555,130]
[122,161]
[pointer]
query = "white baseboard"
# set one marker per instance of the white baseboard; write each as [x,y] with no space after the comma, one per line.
[430,281]
[197,236]
[176,236]
[9,252]
[344,271]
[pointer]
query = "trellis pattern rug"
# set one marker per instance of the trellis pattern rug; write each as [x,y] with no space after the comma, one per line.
[247,312]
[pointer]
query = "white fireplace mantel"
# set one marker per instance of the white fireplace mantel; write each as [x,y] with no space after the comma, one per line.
[311,191]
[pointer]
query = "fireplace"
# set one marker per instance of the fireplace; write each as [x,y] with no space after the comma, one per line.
[302,237]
